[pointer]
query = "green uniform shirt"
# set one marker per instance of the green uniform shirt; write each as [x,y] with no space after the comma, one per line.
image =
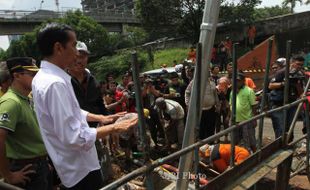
[244,101]
[18,117]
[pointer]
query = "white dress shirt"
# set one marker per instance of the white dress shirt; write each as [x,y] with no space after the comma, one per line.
[67,137]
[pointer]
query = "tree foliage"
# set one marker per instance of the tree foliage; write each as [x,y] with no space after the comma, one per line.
[238,13]
[136,35]
[2,54]
[117,64]
[159,18]
[87,29]
[267,12]
[192,12]
[292,4]
[183,17]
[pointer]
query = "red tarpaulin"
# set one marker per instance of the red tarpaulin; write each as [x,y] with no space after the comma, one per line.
[256,59]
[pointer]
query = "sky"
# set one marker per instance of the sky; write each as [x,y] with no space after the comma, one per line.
[76,4]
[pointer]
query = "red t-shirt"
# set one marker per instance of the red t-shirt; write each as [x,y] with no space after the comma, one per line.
[122,106]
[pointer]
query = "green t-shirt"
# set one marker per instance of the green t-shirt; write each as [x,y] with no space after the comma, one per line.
[18,117]
[244,101]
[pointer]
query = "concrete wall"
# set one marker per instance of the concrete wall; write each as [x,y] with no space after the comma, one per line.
[268,27]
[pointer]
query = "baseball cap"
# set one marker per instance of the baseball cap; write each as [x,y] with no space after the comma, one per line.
[18,64]
[281,61]
[81,46]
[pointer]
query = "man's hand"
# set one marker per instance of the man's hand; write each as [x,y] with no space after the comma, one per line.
[20,176]
[102,119]
[114,117]
[119,114]
[125,125]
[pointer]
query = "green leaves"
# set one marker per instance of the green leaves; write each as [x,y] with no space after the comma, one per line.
[87,29]
[292,3]
[183,17]
[90,32]
[267,12]
[117,64]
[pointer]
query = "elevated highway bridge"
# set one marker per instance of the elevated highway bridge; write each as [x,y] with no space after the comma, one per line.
[14,22]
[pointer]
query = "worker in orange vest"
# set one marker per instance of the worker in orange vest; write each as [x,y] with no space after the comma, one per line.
[218,155]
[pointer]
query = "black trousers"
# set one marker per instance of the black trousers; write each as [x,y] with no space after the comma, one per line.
[207,123]
[155,126]
[92,181]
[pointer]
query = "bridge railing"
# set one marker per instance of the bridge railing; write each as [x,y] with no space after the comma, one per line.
[20,14]
[43,15]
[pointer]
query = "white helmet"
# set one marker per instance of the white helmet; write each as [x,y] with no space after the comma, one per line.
[281,61]
[81,46]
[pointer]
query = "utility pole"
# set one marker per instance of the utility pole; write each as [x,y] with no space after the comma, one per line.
[41,4]
[57,5]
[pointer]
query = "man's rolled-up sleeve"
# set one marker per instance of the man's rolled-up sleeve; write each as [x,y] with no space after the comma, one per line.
[84,114]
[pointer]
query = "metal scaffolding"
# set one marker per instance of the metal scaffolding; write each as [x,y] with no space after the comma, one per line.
[207,35]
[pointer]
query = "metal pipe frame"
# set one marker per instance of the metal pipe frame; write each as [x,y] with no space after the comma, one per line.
[198,102]
[139,107]
[7,186]
[286,87]
[298,171]
[207,35]
[308,138]
[190,148]
[291,144]
[233,105]
[292,126]
[265,88]
[283,174]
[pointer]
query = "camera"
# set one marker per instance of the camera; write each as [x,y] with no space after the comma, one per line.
[132,95]
[296,75]
[129,94]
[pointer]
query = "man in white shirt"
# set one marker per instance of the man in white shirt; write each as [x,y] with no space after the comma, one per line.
[173,113]
[68,139]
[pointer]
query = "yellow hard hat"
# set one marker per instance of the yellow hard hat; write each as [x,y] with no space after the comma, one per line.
[146,113]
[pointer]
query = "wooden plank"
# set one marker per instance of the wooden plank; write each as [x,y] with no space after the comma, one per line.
[239,188]
[279,159]
[255,177]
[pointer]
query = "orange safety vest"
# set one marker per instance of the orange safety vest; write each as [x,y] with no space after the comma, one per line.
[220,156]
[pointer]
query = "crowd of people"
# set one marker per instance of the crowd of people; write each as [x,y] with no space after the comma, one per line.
[58,118]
